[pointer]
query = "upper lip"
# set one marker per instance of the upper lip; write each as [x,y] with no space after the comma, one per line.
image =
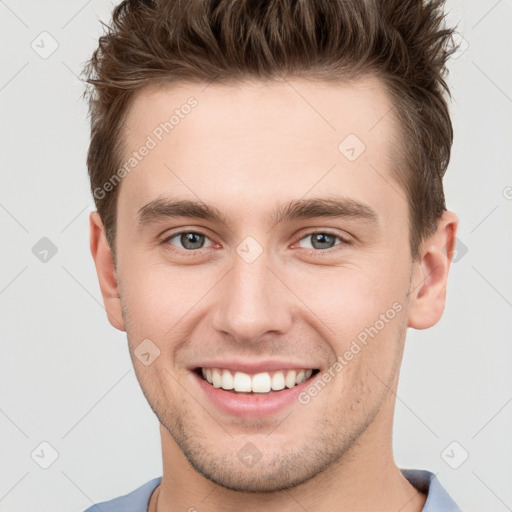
[254,366]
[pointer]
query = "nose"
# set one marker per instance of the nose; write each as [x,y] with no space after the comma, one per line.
[252,301]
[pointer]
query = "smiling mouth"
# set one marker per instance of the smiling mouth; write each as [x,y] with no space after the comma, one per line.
[257,384]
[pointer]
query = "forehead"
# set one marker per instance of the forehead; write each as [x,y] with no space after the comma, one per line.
[246,144]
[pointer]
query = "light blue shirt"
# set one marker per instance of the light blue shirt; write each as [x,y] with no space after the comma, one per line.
[438,499]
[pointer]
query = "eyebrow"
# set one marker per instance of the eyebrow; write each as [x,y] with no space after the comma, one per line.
[299,209]
[336,207]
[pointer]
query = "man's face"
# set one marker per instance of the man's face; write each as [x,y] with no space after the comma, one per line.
[250,289]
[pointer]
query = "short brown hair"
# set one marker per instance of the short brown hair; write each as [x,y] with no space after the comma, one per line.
[403,42]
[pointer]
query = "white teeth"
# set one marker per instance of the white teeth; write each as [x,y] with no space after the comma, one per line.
[259,383]
[227,380]
[290,379]
[242,382]
[278,381]
[216,378]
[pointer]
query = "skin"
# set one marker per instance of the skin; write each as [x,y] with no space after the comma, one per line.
[244,149]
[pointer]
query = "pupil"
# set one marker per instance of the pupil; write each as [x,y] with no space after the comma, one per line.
[192,240]
[322,238]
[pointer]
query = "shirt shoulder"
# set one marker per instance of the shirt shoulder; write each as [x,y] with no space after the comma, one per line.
[438,500]
[135,501]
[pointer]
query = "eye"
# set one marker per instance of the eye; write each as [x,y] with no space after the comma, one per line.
[321,240]
[189,240]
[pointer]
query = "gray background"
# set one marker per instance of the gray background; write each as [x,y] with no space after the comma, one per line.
[67,378]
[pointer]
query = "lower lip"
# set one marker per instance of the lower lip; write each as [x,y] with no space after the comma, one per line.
[255,405]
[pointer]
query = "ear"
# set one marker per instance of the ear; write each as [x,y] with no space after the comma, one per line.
[106,271]
[430,274]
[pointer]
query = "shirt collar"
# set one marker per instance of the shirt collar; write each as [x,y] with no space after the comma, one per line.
[438,500]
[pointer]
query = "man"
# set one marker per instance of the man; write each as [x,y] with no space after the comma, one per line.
[271,219]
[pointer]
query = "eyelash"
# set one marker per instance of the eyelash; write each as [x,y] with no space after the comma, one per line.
[197,252]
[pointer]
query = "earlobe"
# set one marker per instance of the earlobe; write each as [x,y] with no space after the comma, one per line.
[430,275]
[105,269]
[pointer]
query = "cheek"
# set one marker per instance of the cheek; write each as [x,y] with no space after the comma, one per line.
[350,299]
[159,297]
[365,311]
